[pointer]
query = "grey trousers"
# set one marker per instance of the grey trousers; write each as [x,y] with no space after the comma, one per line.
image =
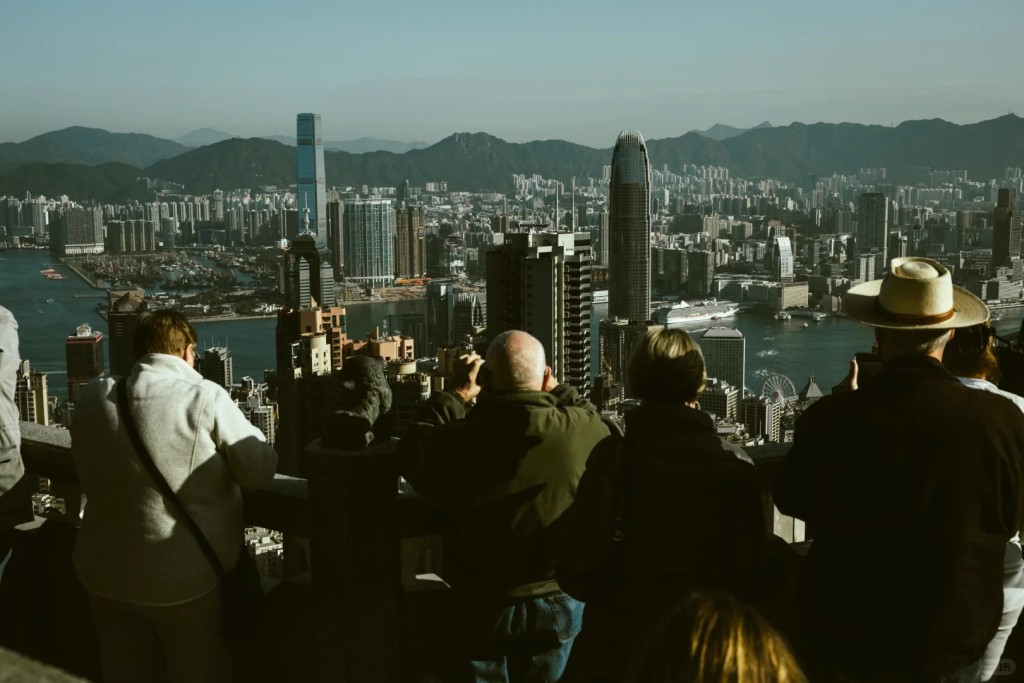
[174,643]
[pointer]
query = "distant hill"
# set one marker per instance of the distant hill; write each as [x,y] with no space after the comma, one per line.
[229,164]
[110,182]
[721,131]
[475,161]
[203,136]
[359,145]
[89,146]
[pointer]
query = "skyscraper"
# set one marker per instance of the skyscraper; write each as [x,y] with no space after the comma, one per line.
[629,254]
[1006,229]
[308,275]
[84,353]
[629,228]
[125,308]
[873,220]
[725,355]
[540,283]
[77,231]
[311,183]
[440,314]
[782,260]
[368,228]
[410,239]
[31,394]
[218,366]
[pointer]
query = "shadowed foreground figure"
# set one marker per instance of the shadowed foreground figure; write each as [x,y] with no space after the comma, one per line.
[912,486]
[155,598]
[506,471]
[971,357]
[668,509]
[713,638]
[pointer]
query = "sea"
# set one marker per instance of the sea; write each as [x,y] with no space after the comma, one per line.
[48,311]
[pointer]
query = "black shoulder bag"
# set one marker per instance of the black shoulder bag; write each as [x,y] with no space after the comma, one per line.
[240,589]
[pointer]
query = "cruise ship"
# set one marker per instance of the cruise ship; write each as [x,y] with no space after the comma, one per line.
[684,313]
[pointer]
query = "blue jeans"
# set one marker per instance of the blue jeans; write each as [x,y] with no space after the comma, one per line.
[522,642]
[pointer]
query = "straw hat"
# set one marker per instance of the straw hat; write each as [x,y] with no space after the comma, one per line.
[916,294]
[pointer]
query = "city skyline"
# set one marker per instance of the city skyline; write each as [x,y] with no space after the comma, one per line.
[695,66]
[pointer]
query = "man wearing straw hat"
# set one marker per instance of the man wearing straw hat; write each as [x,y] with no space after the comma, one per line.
[912,487]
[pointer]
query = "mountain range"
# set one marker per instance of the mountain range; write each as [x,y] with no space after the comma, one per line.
[721,131]
[210,136]
[475,161]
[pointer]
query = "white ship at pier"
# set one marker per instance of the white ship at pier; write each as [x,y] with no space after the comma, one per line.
[684,313]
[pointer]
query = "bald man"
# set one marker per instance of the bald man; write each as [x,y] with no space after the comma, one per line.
[506,471]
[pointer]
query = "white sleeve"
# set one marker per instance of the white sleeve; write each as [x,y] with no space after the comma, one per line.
[251,459]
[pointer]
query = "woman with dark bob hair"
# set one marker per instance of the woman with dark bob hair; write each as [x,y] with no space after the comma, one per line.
[664,511]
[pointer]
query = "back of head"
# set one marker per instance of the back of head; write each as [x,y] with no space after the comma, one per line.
[895,342]
[667,366]
[515,362]
[970,353]
[714,638]
[163,331]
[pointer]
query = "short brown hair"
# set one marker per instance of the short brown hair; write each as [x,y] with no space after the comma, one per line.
[163,331]
[713,638]
[667,366]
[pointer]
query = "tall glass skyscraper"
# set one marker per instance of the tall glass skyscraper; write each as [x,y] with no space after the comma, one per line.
[629,256]
[629,228]
[311,184]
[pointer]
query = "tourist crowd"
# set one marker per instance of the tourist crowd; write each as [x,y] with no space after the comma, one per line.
[580,551]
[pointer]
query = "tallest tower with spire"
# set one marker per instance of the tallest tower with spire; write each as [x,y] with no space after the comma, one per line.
[629,259]
[629,230]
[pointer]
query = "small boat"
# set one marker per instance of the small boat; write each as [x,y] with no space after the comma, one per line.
[806,326]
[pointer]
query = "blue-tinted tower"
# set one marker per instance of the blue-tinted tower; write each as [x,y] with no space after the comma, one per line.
[311,183]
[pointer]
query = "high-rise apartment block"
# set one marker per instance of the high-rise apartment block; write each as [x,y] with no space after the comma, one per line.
[84,353]
[725,355]
[719,398]
[410,242]
[31,394]
[700,273]
[311,183]
[1006,229]
[540,283]
[762,416]
[873,221]
[369,236]
[78,231]
[218,366]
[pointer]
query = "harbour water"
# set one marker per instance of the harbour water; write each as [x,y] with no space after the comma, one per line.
[49,310]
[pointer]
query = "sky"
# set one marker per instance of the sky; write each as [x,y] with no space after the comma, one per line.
[527,70]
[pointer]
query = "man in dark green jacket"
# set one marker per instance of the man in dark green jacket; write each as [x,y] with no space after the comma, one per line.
[506,471]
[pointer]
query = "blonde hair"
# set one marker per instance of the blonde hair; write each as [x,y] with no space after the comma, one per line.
[667,366]
[714,638]
[163,331]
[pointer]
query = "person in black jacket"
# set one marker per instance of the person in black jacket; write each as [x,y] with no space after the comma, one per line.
[912,487]
[669,509]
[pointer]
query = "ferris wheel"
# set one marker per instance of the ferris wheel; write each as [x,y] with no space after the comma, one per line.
[779,388]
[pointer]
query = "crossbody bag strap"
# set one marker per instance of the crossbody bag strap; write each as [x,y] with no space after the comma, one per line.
[626,472]
[124,408]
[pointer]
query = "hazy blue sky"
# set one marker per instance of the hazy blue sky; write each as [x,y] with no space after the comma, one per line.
[523,70]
